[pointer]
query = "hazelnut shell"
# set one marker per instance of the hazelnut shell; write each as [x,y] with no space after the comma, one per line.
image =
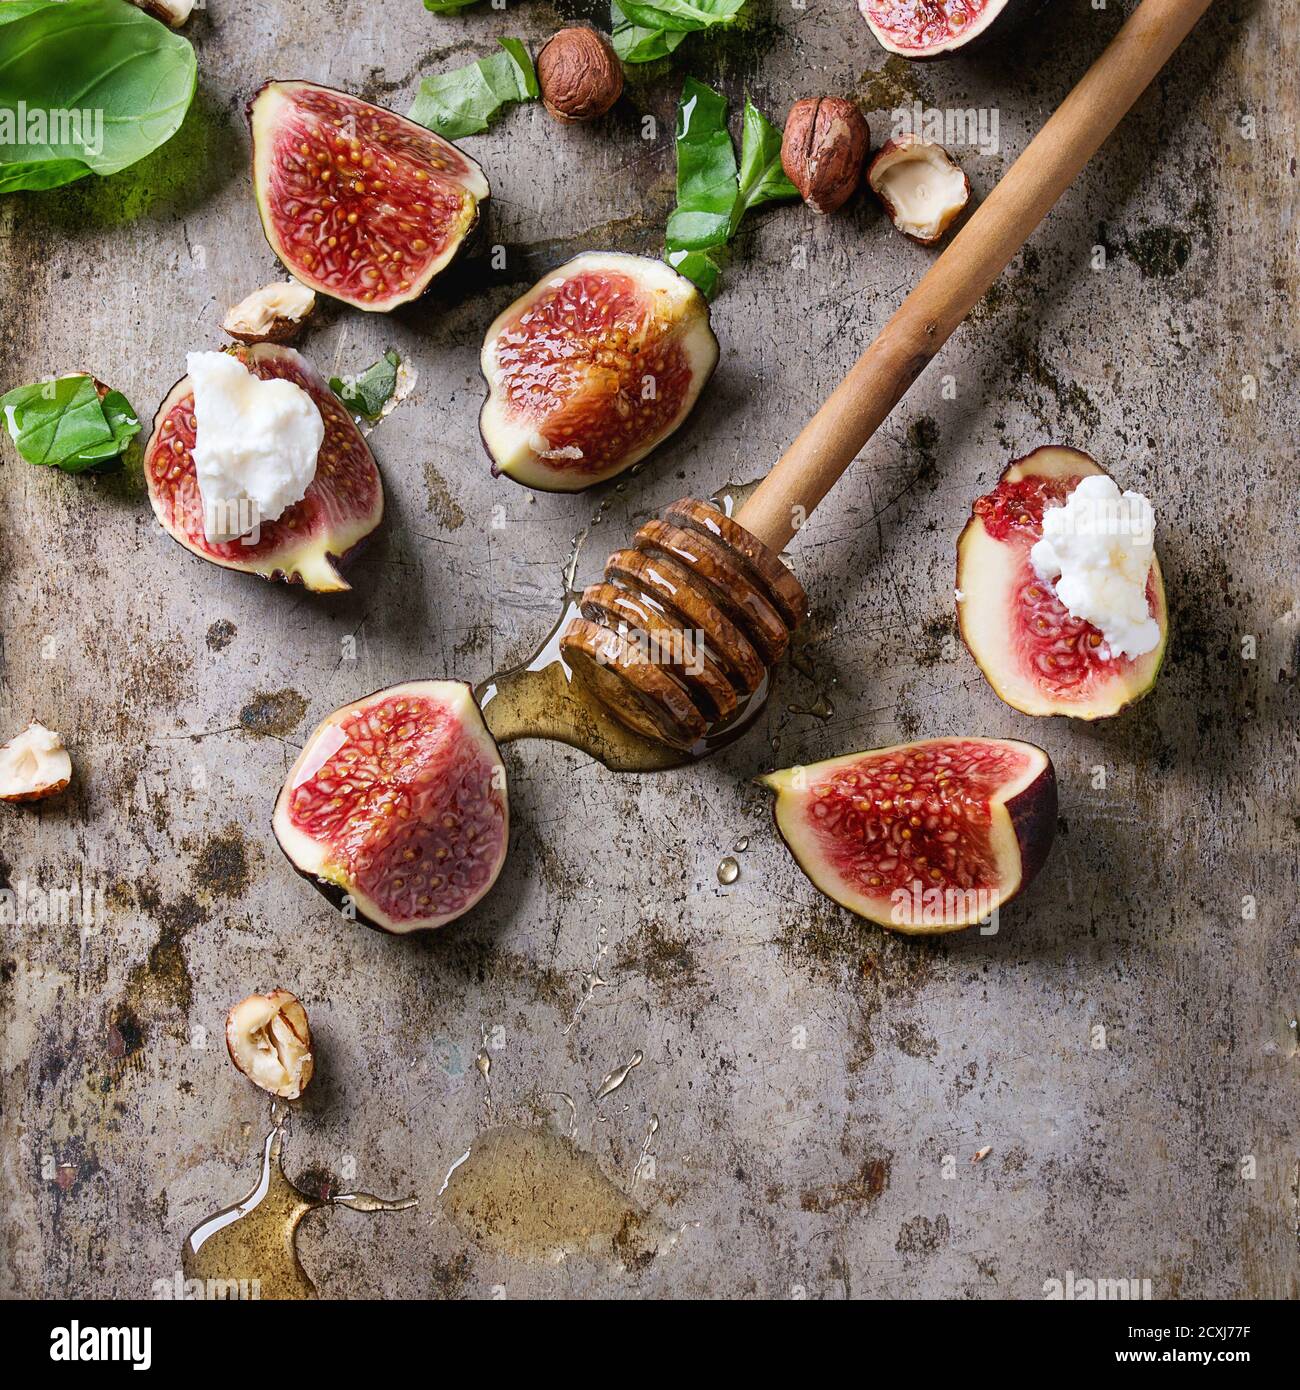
[912,147]
[579,75]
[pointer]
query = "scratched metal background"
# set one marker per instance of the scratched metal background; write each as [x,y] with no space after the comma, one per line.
[185,690]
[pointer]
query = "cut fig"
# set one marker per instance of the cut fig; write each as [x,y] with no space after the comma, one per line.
[269,1040]
[920,185]
[313,539]
[397,807]
[34,765]
[1035,655]
[591,369]
[938,28]
[358,202]
[922,837]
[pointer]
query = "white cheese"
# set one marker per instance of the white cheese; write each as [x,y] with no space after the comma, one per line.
[1096,553]
[255,444]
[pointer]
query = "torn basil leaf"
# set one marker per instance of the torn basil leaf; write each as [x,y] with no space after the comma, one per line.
[367,394]
[712,195]
[635,43]
[464,101]
[63,423]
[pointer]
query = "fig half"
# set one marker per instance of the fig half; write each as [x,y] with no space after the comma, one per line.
[591,369]
[358,202]
[921,837]
[938,28]
[397,807]
[1035,655]
[311,541]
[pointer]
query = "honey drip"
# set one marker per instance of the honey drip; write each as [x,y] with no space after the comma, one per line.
[250,1250]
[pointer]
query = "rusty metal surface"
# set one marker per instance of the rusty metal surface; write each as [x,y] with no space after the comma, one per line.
[810,1073]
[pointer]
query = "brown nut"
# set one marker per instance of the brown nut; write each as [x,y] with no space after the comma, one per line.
[269,1040]
[579,74]
[920,185]
[34,765]
[273,314]
[822,151]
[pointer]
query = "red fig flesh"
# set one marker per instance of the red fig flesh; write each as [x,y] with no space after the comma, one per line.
[398,804]
[921,837]
[936,28]
[309,542]
[358,202]
[1035,655]
[591,369]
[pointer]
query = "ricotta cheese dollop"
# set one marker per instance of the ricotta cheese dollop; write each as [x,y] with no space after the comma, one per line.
[255,444]
[1096,553]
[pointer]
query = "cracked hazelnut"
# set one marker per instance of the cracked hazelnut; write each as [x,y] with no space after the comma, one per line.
[273,314]
[173,13]
[823,149]
[920,185]
[579,74]
[269,1040]
[34,765]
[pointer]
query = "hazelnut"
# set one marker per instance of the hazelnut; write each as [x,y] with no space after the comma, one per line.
[269,1040]
[822,151]
[173,13]
[920,185]
[34,765]
[579,74]
[273,314]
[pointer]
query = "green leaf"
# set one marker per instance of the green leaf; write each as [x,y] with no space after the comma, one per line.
[463,101]
[636,44]
[63,424]
[712,196]
[681,16]
[762,179]
[368,393]
[86,87]
[448,6]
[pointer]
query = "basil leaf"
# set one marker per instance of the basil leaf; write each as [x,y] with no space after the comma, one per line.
[447,6]
[368,393]
[463,101]
[16,9]
[636,44]
[706,171]
[86,87]
[63,424]
[712,196]
[762,178]
[682,16]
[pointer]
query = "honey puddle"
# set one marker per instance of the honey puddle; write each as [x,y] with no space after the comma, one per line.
[534,1195]
[540,699]
[256,1241]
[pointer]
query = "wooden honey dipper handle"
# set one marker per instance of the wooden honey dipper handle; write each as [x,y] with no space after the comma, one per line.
[979,253]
